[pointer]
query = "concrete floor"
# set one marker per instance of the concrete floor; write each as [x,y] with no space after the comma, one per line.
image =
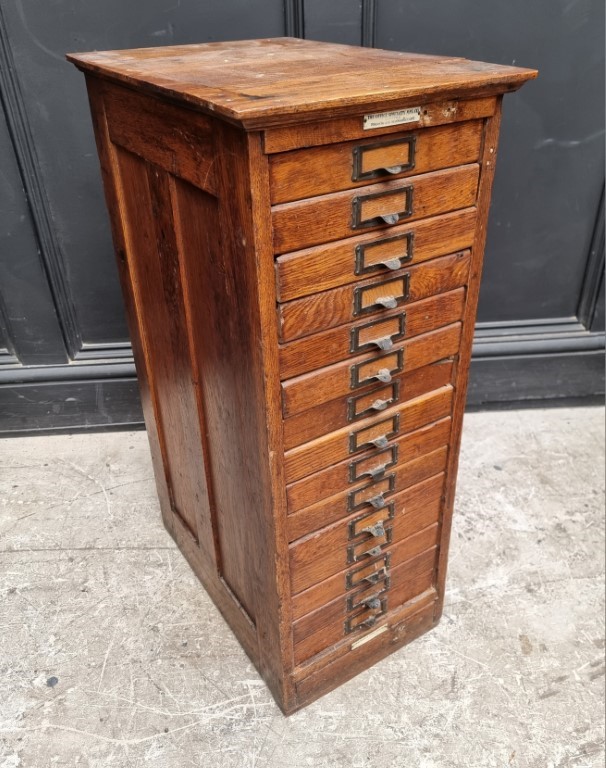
[111,654]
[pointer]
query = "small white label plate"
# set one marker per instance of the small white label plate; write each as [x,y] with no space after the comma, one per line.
[369,636]
[383,119]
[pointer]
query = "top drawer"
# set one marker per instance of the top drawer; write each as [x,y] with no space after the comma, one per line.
[309,172]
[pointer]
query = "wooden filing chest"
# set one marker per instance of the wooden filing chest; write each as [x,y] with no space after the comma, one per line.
[299,229]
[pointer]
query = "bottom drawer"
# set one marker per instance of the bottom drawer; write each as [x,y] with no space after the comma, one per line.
[337,620]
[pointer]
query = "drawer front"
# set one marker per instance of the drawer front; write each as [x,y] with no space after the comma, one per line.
[328,266]
[377,206]
[367,434]
[323,555]
[372,299]
[322,349]
[356,406]
[309,390]
[310,490]
[333,622]
[310,172]
[380,497]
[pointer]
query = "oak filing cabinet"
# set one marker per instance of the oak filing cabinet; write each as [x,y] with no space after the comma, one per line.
[299,229]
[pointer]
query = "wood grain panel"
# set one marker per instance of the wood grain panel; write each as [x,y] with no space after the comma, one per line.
[332,308]
[317,516]
[156,131]
[311,172]
[333,479]
[325,626]
[312,389]
[327,266]
[312,134]
[331,416]
[330,346]
[322,553]
[331,217]
[335,446]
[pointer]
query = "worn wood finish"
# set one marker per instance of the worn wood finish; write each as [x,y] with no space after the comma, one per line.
[352,409]
[336,446]
[331,480]
[313,134]
[331,217]
[310,172]
[283,80]
[304,412]
[416,509]
[328,266]
[316,516]
[321,349]
[312,389]
[324,627]
[336,307]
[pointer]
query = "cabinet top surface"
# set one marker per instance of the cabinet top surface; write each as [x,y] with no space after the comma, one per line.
[258,82]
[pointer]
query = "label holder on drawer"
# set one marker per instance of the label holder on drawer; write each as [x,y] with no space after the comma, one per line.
[354,341]
[378,442]
[391,264]
[360,174]
[367,594]
[382,374]
[378,405]
[378,501]
[357,222]
[389,301]
[354,578]
[379,469]
[352,624]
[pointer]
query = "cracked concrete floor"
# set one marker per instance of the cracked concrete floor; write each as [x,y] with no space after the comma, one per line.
[111,654]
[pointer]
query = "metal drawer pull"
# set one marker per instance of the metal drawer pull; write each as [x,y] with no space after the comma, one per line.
[389,302]
[379,442]
[375,578]
[369,622]
[372,602]
[375,472]
[383,374]
[390,218]
[375,530]
[380,405]
[391,264]
[385,343]
[378,502]
[370,553]
[394,169]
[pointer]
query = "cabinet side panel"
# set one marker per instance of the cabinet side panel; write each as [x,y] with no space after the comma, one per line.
[219,325]
[153,261]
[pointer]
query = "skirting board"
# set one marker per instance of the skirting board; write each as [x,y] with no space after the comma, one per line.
[68,404]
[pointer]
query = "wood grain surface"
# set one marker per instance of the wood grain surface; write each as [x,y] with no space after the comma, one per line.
[309,172]
[331,217]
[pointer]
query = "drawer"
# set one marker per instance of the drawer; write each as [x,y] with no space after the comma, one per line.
[375,431]
[336,583]
[310,172]
[377,206]
[321,349]
[332,264]
[372,299]
[332,480]
[333,622]
[384,494]
[322,554]
[311,389]
[354,407]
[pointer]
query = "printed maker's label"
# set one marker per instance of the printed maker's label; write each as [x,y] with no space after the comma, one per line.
[383,119]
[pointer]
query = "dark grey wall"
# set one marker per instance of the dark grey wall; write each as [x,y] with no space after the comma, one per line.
[64,353]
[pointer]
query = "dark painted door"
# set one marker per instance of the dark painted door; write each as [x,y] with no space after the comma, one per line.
[64,352]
